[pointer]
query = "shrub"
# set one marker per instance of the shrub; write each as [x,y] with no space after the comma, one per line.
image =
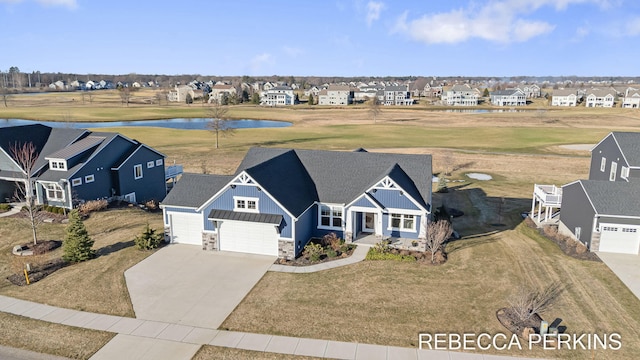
[333,241]
[313,251]
[331,253]
[151,204]
[149,239]
[376,254]
[77,243]
[5,207]
[93,205]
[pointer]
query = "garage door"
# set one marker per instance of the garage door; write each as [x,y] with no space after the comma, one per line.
[186,228]
[617,238]
[249,237]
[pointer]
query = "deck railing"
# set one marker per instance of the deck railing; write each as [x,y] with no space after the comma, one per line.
[549,194]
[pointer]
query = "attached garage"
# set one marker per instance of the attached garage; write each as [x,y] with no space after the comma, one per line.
[251,233]
[616,238]
[185,228]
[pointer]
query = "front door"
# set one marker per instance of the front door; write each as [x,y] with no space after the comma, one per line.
[368,222]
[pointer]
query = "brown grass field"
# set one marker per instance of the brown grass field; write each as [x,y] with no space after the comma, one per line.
[374,302]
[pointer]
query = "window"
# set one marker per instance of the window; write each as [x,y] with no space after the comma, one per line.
[330,216]
[62,165]
[54,192]
[150,164]
[629,230]
[245,204]
[54,164]
[159,162]
[137,171]
[603,164]
[578,232]
[609,228]
[614,168]
[402,222]
[624,172]
[89,179]
[76,181]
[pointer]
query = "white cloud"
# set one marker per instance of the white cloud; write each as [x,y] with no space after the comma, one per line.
[501,21]
[259,61]
[374,8]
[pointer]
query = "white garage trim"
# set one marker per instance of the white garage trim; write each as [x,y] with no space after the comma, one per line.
[618,238]
[185,228]
[248,237]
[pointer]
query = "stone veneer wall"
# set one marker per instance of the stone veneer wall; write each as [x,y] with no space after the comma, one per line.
[286,250]
[209,241]
[167,234]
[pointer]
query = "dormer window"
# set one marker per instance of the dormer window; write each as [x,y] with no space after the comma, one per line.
[60,165]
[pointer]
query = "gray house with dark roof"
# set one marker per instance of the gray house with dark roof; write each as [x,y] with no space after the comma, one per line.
[75,165]
[604,211]
[279,199]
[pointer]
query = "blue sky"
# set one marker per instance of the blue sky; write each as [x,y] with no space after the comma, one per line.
[324,38]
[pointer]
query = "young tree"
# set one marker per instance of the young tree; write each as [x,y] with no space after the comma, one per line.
[188,99]
[149,239]
[437,233]
[125,95]
[219,121]
[255,98]
[374,107]
[77,245]
[311,99]
[527,301]
[26,155]
[442,184]
[5,94]
[486,92]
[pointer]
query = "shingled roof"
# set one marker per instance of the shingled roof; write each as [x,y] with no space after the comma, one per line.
[194,189]
[629,143]
[617,198]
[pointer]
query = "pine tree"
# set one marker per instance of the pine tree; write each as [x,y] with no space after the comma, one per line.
[442,184]
[310,102]
[149,239]
[77,243]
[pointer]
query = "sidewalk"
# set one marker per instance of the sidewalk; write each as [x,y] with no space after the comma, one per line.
[161,340]
[15,208]
[358,255]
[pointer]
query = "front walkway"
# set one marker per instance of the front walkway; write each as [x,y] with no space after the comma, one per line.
[155,340]
[15,208]
[358,255]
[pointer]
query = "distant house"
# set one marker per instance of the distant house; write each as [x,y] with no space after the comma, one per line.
[565,97]
[600,98]
[279,199]
[460,95]
[314,90]
[336,95]
[509,97]
[530,90]
[397,95]
[278,96]
[180,92]
[218,91]
[631,99]
[75,165]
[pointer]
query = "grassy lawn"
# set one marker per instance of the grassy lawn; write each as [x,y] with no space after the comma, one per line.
[222,353]
[97,285]
[49,338]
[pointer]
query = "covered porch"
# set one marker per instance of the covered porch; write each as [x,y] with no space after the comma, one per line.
[394,242]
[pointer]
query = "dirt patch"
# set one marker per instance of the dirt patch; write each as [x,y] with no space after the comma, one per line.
[38,272]
[43,246]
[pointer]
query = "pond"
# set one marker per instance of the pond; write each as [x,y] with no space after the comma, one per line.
[176,123]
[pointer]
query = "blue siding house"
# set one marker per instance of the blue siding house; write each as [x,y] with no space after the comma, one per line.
[279,199]
[76,165]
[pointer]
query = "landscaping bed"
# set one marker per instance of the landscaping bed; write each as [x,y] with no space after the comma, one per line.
[321,250]
[510,320]
[568,245]
[38,272]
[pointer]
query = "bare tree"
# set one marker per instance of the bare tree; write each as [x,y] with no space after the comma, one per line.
[219,121]
[448,162]
[437,233]
[26,155]
[527,301]
[125,95]
[5,94]
[374,107]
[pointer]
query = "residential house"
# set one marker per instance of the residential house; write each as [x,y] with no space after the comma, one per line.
[336,95]
[509,97]
[530,90]
[218,91]
[397,95]
[180,92]
[461,95]
[602,212]
[75,165]
[631,99]
[565,97]
[600,98]
[279,199]
[314,90]
[278,96]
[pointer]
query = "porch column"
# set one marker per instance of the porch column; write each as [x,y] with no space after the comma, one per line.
[533,206]
[539,211]
[348,231]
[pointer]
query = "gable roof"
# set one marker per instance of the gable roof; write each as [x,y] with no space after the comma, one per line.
[565,92]
[615,198]
[600,92]
[629,143]
[194,189]
[77,147]
[334,176]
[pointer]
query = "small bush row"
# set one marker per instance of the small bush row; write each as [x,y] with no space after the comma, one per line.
[376,254]
[5,207]
[93,205]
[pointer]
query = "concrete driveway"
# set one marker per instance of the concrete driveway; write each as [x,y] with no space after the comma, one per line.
[626,267]
[182,284]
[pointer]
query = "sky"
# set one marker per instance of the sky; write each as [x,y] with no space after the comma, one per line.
[498,38]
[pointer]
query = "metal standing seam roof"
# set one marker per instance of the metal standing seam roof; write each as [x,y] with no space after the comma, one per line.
[215,214]
[77,148]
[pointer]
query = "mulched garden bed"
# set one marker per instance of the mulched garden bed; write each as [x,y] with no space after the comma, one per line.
[344,251]
[569,246]
[38,272]
[510,320]
[43,246]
